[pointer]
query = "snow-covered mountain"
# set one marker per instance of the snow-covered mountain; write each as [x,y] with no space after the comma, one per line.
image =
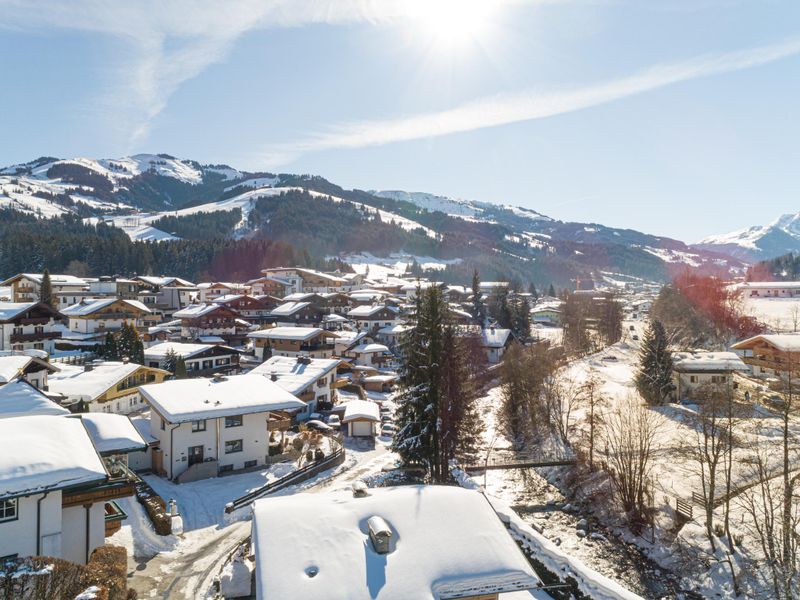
[760,242]
[134,193]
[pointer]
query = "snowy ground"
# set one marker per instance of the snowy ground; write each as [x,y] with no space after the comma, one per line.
[781,315]
[618,553]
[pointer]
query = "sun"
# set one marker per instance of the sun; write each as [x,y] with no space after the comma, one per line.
[452,23]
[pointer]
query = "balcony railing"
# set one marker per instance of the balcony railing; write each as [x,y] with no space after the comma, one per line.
[35,337]
[315,347]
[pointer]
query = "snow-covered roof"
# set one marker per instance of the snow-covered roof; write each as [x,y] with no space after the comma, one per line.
[707,361]
[333,318]
[289,333]
[142,424]
[55,279]
[88,306]
[112,433]
[193,311]
[19,398]
[164,281]
[370,348]
[160,351]
[183,400]
[494,337]
[786,342]
[394,329]
[300,296]
[295,375]
[9,310]
[44,452]
[288,308]
[75,382]
[447,543]
[12,366]
[361,409]
[210,339]
[368,311]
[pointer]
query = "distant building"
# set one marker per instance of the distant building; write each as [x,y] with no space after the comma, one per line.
[29,326]
[293,341]
[26,287]
[696,373]
[202,360]
[769,289]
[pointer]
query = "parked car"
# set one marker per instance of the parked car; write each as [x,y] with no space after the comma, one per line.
[388,430]
[385,410]
[386,418]
[334,421]
[636,338]
[318,425]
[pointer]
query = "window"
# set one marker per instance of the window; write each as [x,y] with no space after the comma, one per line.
[233,446]
[8,510]
[233,421]
[163,425]
[226,468]
[198,426]
[693,378]
[250,463]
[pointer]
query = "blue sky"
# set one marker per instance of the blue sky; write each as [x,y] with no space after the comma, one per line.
[674,117]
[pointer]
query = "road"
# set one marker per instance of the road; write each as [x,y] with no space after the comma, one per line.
[187,570]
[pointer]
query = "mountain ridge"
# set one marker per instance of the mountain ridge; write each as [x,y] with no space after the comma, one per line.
[132,193]
[759,242]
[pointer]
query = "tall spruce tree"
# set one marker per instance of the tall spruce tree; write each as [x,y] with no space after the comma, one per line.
[419,439]
[520,318]
[46,289]
[533,292]
[109,350]
[170,361]
[478,307]
[654,377]
[551,291]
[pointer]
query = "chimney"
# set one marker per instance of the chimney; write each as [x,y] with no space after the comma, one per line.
[359,489]
[273,376]
[380,534]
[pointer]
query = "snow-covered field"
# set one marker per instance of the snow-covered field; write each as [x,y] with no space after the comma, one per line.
[781,315]
[394,265]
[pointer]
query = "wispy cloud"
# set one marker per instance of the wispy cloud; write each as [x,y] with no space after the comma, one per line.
[168,43]
[503,109]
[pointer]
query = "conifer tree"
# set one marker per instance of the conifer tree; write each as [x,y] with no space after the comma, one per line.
[520,318]
[551,291]
[654,377]
[478,307]
[533,292]
[46,289]
[109,350]
[180,368]
[170,361]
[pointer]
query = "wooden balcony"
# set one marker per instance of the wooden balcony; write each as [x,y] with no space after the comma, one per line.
[35,337]
[102,493]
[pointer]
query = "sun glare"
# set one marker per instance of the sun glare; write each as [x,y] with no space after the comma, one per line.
[452,23]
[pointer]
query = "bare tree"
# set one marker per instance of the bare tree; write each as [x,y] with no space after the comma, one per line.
[710,450]
[594,418]
[561,394]
[630,433]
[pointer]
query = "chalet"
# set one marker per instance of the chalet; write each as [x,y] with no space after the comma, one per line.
[410,541]
[371,355]
[367,296]
[104,386]
[372,318]
[270,286]
[202,360]
[772,355]
[391,336]
[208,292]
[297,313]
[165,295]
[119,288]
[308,280]
[495,341]
[310,379]
[207,319]
[27,367]
[457,293]
[293,341]
[547,314]
[26,287]
[697,373]
[155,283]
[56,488]
[101,315]
[349,339]
[210,426]
[29,326]
[249,308]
